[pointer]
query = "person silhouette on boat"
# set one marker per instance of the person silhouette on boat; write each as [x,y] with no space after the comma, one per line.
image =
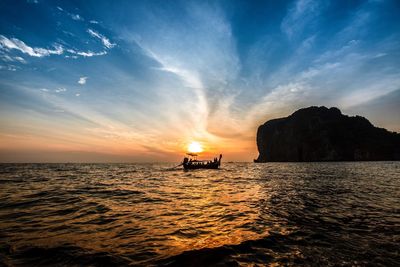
[190,163]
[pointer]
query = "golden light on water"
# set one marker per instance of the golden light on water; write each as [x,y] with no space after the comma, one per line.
[195,147]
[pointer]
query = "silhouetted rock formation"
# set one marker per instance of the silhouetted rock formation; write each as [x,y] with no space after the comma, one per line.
[322,134]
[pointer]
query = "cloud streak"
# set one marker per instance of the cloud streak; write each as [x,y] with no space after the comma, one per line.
[302,14]
[14,43]
[86,53]
[76,17]
[106,42]
[7,44]
[82,80]
[60,90]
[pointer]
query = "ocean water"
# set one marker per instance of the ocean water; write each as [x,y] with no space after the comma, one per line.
[245,214]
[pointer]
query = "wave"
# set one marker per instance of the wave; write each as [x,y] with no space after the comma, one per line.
[252,252]
[63,255]
[293,249]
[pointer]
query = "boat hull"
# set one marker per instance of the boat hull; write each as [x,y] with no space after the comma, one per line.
[189,166]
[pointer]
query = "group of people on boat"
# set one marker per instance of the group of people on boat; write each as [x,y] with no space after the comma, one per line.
[189,163]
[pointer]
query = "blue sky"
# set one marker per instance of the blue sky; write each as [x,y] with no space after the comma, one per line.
[139,80]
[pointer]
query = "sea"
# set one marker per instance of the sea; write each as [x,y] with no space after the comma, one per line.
[244,214]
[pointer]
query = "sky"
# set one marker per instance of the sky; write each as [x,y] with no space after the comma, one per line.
[137,81]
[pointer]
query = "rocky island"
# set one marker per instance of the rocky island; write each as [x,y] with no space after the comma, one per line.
[325,134]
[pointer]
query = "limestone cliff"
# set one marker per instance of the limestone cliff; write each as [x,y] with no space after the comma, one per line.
[322,134]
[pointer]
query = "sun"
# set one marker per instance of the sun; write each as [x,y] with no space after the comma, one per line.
[195,147]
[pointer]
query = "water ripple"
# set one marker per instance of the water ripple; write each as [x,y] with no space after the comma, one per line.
[244,214]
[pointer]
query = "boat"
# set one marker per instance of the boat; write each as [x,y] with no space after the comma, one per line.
[191,162]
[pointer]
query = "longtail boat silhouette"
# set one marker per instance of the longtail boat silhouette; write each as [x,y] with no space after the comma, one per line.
[191,162]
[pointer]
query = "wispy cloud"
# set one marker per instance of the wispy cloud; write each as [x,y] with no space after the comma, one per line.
[299,16]
[91,54]
[8,58]
[93,22]
[73,16]
[7,44]
[355,27]
[9,67]
[190,79]
[86,53]
[106,42]
[76,17]
[60,90]
[14,43]
[82,80]
[206,63]
[20,59]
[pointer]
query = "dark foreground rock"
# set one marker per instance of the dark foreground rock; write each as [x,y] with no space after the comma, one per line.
[322,134]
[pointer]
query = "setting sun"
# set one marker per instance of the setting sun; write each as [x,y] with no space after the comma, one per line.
[195,147]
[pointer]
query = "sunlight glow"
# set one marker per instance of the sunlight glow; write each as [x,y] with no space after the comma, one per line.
[195,147]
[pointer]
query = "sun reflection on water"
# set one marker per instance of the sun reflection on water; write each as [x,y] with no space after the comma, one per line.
[149,213]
